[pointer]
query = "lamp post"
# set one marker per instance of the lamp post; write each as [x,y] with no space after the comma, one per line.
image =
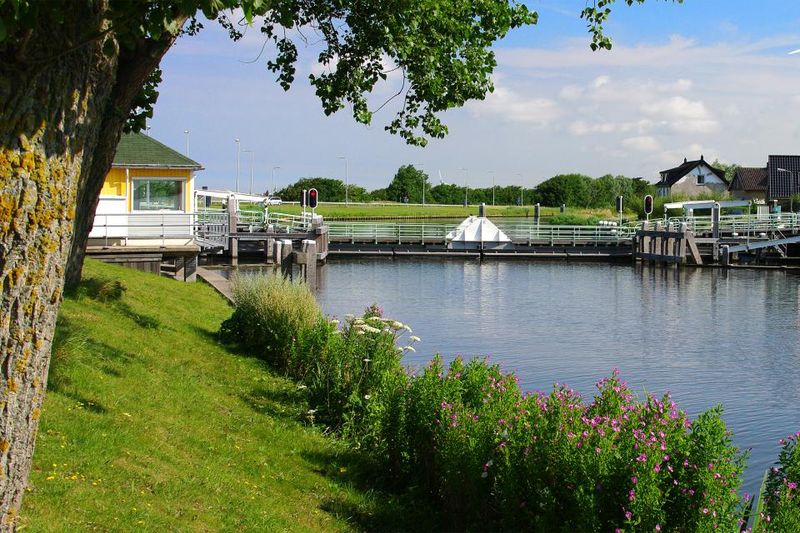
[186,133]
[346,180]
[421,166]
[466,187]
[273,179]
[493,185]
[793,188]
[251,169]
[521,190]
[238,152]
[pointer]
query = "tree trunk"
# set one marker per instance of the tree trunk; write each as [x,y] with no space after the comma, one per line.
[134,68]
[63,107]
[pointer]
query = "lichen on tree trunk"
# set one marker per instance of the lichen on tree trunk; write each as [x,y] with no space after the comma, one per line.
[63,108]
[50,109]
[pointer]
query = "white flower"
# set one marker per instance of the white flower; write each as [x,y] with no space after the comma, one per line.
[414,338]
[375,319]
[409,348]
[349,316]
[301,387]
[358,321]
[490,463]
[397,325]
[367,360]
[334,322]
[360,331]
[407,328]
[366,396]
[370,329]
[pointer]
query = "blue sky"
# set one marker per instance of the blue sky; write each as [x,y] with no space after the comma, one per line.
[709,77]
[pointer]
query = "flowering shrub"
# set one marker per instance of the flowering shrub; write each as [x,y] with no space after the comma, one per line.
[781,502]
[494,457]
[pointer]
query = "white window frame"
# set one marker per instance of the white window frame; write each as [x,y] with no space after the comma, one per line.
[134,179]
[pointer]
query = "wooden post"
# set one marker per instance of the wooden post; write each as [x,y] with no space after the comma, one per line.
[277,254]
[269,250]
[286,258]
[190,268]
[715,221]
[726,255]
[309,267]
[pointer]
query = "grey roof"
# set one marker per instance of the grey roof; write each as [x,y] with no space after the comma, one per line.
[749,179]
[138,150]
[785,182]
[671,176]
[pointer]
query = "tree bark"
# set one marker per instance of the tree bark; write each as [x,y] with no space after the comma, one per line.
[63,108]
[134,68]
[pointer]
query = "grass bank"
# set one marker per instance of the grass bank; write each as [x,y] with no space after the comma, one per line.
[417,211]
[149,424]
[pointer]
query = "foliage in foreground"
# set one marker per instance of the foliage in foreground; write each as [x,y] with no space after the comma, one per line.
[491,455]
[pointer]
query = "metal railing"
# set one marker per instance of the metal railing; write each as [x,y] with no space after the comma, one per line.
[421,233]
[290,222]
[741,224]
[207,228]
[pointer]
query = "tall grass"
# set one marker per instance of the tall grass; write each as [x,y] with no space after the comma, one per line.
[270,312]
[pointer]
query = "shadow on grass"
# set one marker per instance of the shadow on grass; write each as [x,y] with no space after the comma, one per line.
[383,509]
[277,401]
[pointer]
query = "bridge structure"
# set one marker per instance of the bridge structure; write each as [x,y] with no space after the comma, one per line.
[227,230]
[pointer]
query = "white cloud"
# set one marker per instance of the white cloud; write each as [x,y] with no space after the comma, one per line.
[681,114]
[644,143]
[514,107]
[571,92]
[600,81]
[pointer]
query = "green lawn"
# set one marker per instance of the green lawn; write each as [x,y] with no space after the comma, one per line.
[150,424]
[404,210]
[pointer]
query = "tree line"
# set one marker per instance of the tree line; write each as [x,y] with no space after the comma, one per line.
[410,183]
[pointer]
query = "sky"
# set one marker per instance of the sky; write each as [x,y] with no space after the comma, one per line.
[705,77]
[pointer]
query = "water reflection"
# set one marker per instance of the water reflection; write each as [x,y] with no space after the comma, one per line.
[709,336]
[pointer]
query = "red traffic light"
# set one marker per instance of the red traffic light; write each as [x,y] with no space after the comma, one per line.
[313,197]
[648,204]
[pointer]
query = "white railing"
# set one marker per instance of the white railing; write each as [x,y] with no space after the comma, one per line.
[417,233]
[741,224]
[290,222]
[205,227]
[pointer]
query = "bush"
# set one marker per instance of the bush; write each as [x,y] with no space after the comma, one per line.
[780,498]
[493,457]
[270,312]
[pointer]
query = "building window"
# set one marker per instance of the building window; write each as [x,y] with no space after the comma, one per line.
[157,194]
[701,179]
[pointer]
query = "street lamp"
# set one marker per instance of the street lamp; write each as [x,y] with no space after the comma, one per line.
[421,166]
[251,169]
[466,187]
[273,179]
[186,133]
[793,187]
[346,180]
[493,185]
[521,190]
[238,152]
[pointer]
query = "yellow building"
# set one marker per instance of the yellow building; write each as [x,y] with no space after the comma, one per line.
[147,202]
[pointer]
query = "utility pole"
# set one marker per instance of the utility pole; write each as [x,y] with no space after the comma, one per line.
[238,152]
[251,169]
[186,133]
[466,187]
[346,181]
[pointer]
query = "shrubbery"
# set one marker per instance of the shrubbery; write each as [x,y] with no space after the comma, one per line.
[495,457]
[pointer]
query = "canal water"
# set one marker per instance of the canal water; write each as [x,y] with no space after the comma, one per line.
[708,336]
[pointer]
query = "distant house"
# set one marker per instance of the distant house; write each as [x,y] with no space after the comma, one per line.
[692,178]
[779,180]
[749,183]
